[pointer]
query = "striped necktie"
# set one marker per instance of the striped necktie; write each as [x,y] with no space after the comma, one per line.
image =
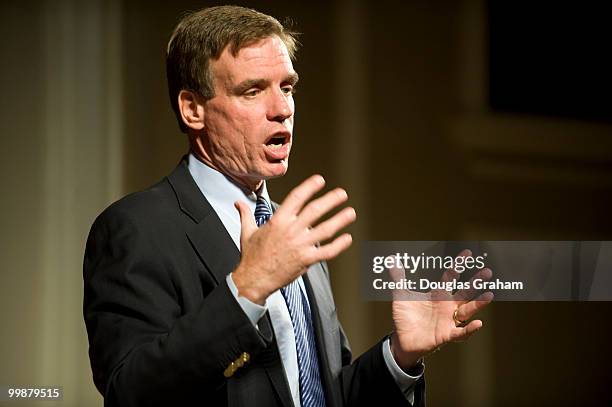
[311,389]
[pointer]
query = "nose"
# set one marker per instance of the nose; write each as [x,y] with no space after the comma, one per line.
[281,107]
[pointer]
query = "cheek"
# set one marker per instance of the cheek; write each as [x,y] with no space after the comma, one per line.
[229,135]
[218,119]
[222,128]
[237,131]
[249,128]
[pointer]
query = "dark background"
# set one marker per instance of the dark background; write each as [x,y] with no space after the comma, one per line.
[444,120]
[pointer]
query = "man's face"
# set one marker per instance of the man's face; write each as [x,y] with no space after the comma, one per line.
[249,121]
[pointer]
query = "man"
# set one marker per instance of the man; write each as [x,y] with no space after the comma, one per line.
[192,300]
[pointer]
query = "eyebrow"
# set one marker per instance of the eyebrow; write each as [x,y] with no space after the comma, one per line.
[245,85]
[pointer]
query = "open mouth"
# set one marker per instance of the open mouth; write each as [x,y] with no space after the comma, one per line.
[277,146]
[277,141]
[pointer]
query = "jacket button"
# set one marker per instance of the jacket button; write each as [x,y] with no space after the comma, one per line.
[231,369]
[236,364]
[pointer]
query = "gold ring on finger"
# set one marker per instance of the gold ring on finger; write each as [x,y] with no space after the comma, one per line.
[458,322]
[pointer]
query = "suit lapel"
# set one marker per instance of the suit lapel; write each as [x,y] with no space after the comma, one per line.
[207,234]
[271,360]
[326,327]
[215,247]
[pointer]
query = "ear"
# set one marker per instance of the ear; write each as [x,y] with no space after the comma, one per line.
[192,109]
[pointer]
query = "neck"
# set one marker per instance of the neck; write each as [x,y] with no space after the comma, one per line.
[248,185]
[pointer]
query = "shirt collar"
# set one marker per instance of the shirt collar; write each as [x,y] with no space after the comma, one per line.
[221,192]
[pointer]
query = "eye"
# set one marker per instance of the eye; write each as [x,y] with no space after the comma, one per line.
[251,93]
[288,90]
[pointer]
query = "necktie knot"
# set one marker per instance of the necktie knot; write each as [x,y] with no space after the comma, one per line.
[263,211]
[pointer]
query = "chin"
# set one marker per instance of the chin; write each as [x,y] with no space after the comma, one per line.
[276,170]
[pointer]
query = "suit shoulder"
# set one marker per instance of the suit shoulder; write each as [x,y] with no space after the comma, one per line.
[157,201]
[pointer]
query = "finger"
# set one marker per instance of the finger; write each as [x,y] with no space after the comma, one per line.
[461,334]
[468,310]
[318,207]
[330,250]
[469,293]
[451,274]
[299,195]
[328,229]
[247,221]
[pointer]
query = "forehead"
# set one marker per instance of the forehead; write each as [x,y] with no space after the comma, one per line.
[266,58]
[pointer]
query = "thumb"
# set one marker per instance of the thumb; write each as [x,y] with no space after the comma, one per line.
[398,275]
[247,221]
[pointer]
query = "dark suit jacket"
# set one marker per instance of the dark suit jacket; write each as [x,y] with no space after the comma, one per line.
[163,325]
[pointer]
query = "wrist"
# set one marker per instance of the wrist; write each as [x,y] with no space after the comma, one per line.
[249,288]
[406,360]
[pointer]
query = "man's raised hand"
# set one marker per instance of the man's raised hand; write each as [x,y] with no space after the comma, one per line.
[281,250]
[425,321]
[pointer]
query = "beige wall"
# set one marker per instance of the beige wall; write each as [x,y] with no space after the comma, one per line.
[22,210]
[391,105]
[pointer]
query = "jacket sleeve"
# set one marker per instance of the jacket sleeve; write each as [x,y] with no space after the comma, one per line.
[144,349]
[366,381]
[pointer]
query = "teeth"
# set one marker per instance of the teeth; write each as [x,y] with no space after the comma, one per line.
[276,145]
